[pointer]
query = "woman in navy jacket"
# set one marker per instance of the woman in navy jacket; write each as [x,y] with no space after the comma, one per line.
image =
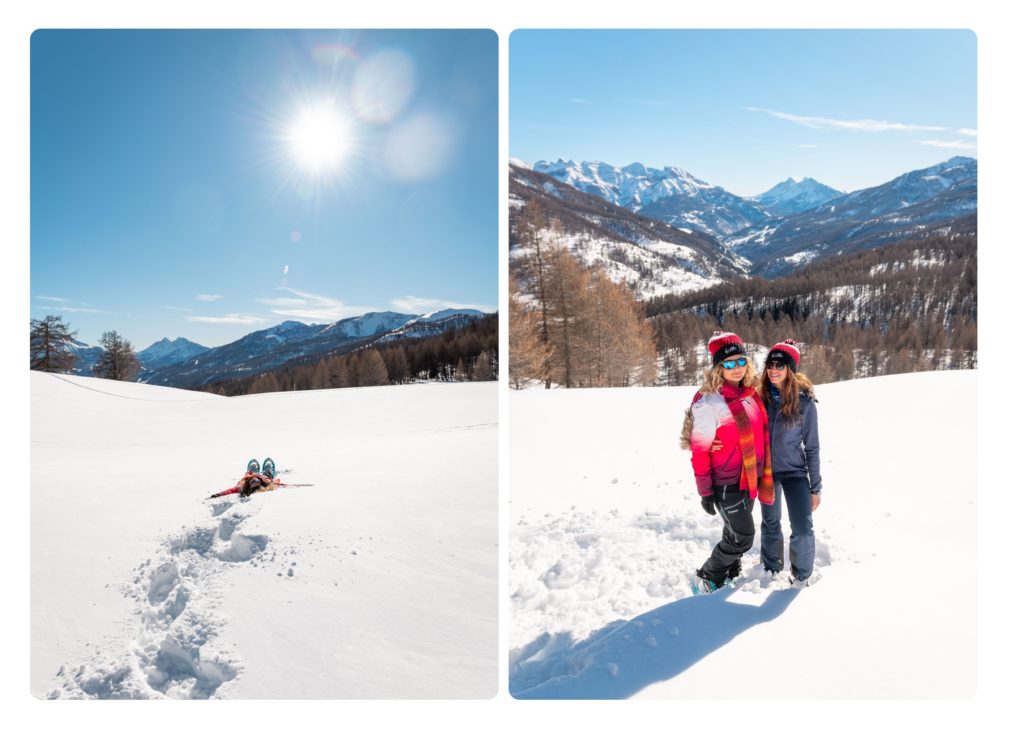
[793,424]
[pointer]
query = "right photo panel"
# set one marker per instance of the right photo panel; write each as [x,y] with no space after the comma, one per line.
[743,364]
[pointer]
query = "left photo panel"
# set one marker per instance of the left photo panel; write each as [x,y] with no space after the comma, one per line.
[264,353]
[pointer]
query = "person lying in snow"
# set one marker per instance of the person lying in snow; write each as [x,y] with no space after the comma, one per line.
[256,480]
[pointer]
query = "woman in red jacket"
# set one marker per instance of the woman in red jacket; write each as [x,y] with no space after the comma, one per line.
[729,478]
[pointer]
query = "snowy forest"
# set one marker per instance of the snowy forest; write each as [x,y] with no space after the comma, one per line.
[904,307]
[571,325]
[467,354]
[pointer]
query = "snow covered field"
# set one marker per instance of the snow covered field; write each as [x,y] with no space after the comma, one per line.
[378,582]
[606,531]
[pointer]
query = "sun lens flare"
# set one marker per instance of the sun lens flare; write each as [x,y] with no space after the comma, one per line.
[319,138]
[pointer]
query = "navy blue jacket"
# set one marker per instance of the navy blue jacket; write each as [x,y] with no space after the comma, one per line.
[795,443]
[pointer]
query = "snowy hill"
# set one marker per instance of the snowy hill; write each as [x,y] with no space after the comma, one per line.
[377,582]
[372,323]
[605,537]
[434,323]
[649,257]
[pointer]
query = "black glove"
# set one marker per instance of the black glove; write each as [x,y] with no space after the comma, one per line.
[707,502]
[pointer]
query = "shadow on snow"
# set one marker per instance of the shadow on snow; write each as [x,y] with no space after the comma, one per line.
[622,658]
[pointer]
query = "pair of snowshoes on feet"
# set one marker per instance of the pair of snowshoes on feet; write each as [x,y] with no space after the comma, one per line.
[704,583]
[267,470]
[793,580]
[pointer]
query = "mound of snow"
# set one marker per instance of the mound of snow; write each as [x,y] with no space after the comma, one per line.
[607,531]
[379,581]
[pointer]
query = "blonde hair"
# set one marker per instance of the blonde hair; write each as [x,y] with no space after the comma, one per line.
[714,378]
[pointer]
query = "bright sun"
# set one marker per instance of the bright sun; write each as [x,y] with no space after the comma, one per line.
[319,138]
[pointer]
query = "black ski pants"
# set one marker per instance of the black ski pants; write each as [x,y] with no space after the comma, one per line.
[736,507]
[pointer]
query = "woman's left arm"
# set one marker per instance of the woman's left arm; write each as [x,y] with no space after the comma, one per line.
[810,437]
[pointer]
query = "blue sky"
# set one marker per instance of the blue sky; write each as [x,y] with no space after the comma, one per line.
[206,184]
[747,109]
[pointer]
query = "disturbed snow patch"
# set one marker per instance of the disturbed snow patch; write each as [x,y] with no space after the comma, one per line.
[577,579]
[172,649]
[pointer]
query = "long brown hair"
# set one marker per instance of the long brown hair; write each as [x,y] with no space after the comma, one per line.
[789,391]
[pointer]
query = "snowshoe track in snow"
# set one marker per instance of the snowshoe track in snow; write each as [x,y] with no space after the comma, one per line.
[580,578]
[172,651]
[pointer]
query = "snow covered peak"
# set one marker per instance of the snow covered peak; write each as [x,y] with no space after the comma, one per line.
[792,196]
[286,325]
[451,312]
[370,323]
[957,161]
[166,352]
[439,315]
[634,186]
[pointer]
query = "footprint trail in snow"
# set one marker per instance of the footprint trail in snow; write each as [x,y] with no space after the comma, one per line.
[172,648]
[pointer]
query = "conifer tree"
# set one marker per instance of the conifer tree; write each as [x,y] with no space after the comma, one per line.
[50,342]
[118,360]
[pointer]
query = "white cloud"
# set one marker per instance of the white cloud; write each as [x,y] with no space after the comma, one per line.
[234,318]
[314,307]
[209,297]
[283,302]
[176,309]
[81,308]
[580,100]
[860,125]
[421,306]
[62,300]
[968,132]
[949,144]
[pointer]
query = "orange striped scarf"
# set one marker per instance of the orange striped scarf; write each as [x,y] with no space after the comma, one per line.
[766,486]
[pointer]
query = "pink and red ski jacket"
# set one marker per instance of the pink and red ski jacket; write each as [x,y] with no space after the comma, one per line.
[712,419]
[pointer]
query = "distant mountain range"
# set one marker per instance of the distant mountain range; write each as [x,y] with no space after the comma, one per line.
[182,363]
[770,234]
[936,200]
[670,195]
[649,256]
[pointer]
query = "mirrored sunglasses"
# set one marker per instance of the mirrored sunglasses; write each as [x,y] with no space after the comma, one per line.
[733,363]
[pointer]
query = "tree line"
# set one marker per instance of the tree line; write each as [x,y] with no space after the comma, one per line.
[51,343]
[905,307]
[469,353]
[569,324]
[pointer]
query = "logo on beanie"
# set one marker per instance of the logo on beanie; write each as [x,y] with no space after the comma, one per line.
[723,345]
[786,352]
[730,349]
